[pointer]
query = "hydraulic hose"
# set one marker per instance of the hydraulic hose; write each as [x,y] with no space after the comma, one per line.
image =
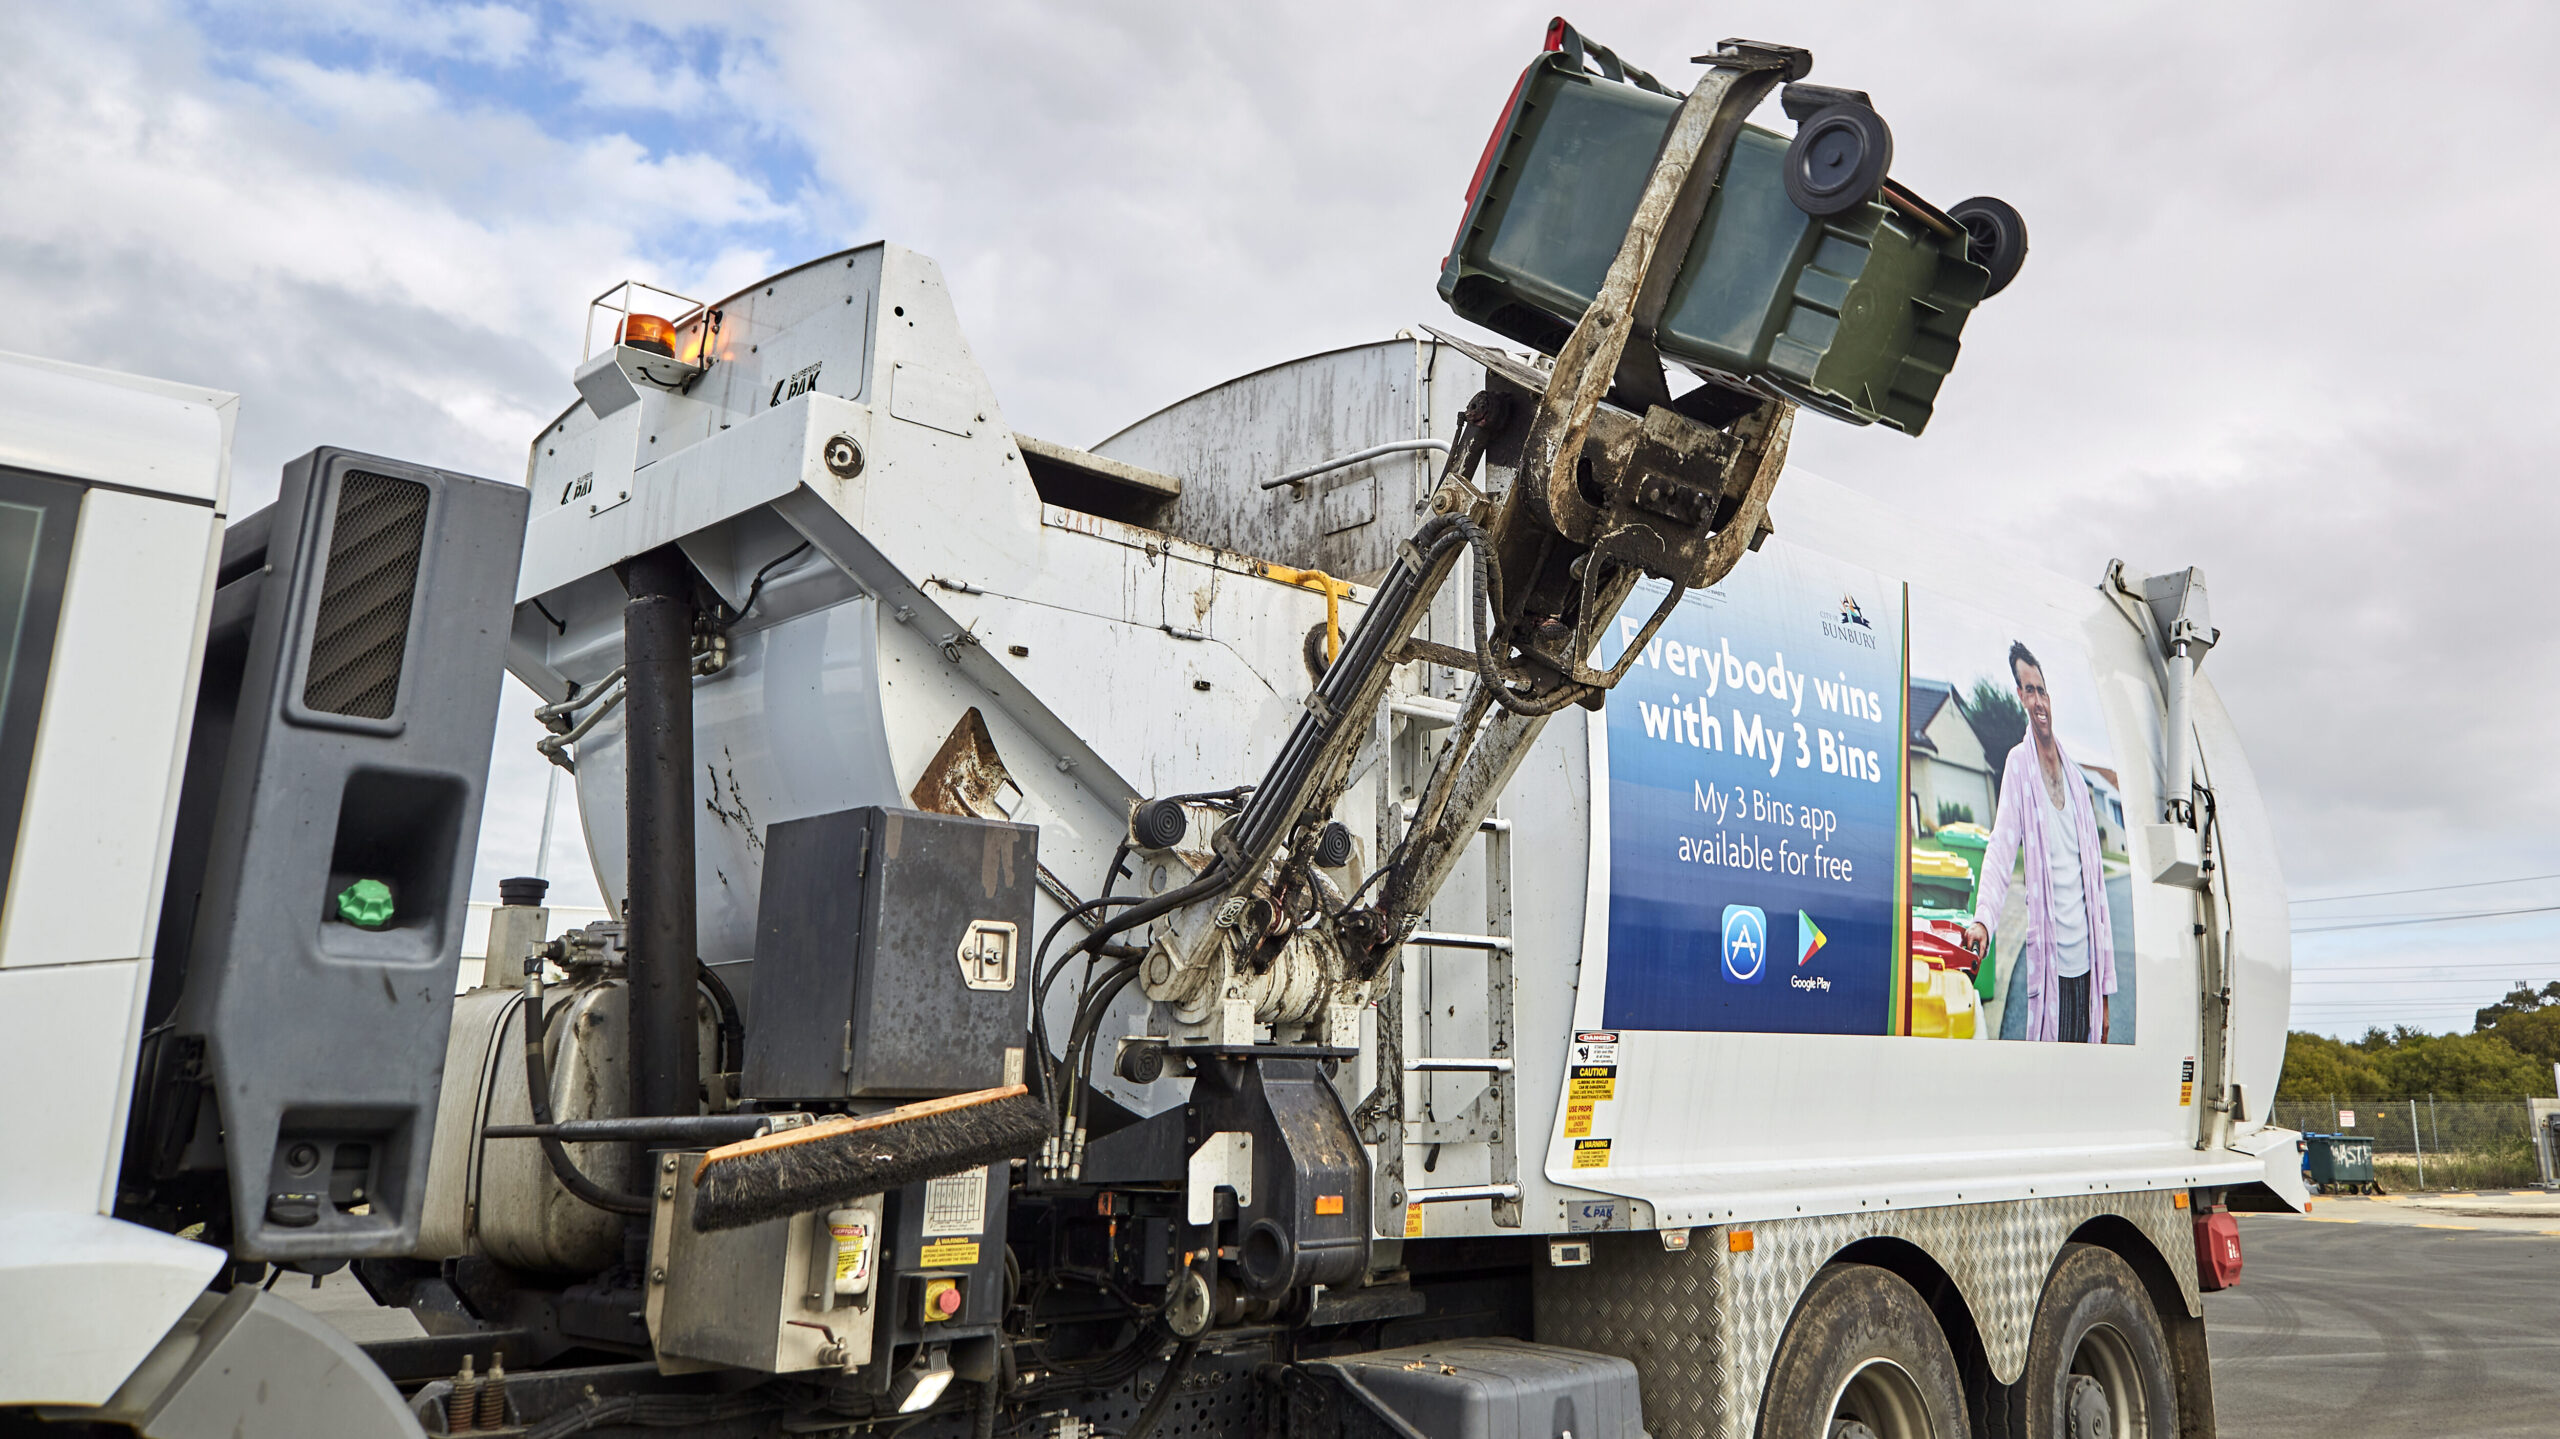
[990,1399]
[732,1053]
[537,1078]
[1162,1399]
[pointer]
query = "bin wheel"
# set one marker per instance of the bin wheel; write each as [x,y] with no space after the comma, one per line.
[1839,158]
[1998,238]
[1863,1358]
[2097,1359]
[1313,653]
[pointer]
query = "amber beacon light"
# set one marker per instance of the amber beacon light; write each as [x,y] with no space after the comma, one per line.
[648,332]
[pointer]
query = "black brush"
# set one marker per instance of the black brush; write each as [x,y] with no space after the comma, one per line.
[832,1161]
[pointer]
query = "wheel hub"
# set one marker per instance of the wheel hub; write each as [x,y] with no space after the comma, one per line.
[2085,1411]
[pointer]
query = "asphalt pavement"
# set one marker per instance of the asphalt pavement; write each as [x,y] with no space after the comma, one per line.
[2380,1319]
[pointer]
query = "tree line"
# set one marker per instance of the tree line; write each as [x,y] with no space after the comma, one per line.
[2507,1055]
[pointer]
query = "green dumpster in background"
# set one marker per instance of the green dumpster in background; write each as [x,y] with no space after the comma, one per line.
[2339,1161]
[1853,314]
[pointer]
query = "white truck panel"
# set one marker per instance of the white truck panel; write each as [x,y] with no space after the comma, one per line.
[83,1297]
[1733,1127]
[156,436]
[102,791]
[938,562]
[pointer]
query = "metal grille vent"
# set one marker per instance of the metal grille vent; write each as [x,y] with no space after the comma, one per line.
[360,631]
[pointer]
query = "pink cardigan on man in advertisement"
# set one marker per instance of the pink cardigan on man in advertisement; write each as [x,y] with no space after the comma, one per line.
[2025,819]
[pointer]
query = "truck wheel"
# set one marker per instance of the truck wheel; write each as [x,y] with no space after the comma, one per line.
[1838,159]
[1863,1358]
[1996,238]
[2097,1360]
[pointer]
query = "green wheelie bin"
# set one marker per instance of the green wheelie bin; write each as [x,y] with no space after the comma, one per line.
[1854,312]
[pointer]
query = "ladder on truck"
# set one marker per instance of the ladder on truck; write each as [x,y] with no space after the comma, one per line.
[1385,1119]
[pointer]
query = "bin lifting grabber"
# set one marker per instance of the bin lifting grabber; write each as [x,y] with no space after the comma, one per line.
[1612,486]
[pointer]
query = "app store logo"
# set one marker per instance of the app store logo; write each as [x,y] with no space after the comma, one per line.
[1746,943]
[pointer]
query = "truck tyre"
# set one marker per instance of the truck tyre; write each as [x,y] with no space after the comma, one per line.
[2097,1359]
[1863,1358]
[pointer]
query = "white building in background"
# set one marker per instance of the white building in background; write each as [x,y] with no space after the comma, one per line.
[1948,766]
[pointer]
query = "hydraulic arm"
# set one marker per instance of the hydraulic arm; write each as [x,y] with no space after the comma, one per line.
[1563,489]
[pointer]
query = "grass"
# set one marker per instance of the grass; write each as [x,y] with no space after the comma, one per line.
[2501,1164]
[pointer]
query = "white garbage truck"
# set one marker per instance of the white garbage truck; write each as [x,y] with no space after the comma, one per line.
[1418,891]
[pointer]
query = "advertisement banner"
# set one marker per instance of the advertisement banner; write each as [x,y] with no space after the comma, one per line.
[1755,781]
[1839,804]
[2021,885]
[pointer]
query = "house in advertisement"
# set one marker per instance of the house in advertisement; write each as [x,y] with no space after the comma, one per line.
[1950,774]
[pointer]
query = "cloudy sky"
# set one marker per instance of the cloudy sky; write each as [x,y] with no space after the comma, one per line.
[2279,318]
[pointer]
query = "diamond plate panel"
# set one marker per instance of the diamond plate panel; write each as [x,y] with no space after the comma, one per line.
[1668,1313]
[1702,1326]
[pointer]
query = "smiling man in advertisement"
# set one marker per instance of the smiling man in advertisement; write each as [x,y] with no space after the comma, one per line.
[2066,964]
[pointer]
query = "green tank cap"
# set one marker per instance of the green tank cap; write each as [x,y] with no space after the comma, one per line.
[366,904]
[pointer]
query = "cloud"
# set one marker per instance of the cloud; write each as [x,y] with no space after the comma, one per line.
[2279,319]
[294,202]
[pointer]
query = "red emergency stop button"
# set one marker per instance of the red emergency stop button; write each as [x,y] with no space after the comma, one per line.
[941,1299]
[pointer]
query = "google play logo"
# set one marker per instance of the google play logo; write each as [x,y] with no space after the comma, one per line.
[1809,937]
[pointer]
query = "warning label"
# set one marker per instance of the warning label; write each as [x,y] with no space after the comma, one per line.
[956,1204]
[1593,1081]
[1595,1046]
[2187,1083]
[1413,1221]
[1577,1118]
[949,1254]
[853,1254]
[1591,1154]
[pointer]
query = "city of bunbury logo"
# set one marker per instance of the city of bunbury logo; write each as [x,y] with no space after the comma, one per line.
[1746,943]
[1852,626]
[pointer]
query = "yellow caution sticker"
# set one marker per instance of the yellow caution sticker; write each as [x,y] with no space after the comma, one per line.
[949,1254]
[1413,1221]
[1591,1154]
[2187,1083]
[1577,1118]
[1593,1081]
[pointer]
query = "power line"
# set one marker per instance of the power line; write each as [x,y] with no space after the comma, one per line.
[2372,915]
[2405,1002]
[2426,889]
[2480,969]
[2392,981]
[2387,1011]
[2387,1001]
[2424,919]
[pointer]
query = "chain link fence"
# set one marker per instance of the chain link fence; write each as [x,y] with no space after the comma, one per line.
[2425,1142]
[2420,1125]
